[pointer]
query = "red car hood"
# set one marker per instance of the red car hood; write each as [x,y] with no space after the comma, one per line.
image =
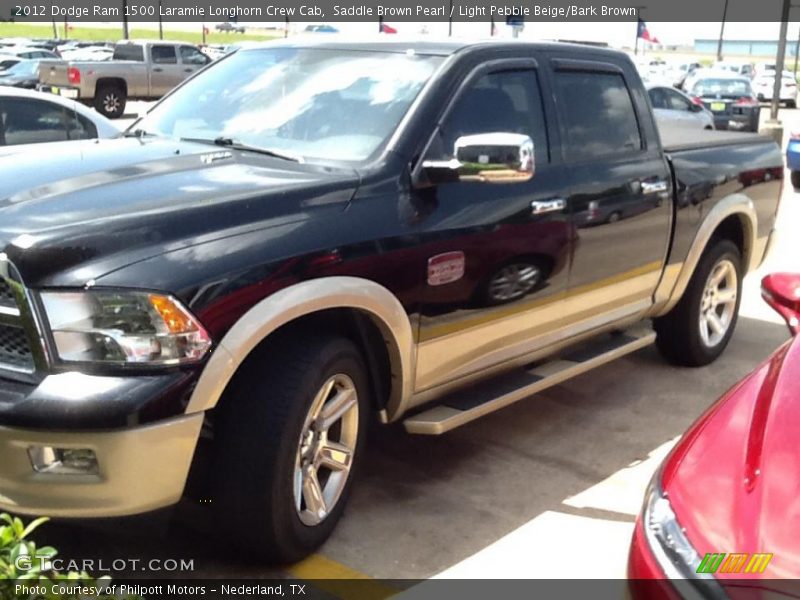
[734,479]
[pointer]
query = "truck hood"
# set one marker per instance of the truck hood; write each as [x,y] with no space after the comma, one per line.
[734,480]
[101,205]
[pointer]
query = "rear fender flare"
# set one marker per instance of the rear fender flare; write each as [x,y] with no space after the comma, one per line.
[671,288]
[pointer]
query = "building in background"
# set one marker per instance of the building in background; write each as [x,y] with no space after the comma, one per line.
[754,48]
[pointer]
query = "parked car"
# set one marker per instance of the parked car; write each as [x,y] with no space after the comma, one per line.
[763,85]
[139,70]
[252,262]
[321,28]
[793,158]
[718,517]
[89,53]
[673,108]
[24,74]
[739,68]
[28,117]
[7,61]
[29,52]
[729,97]
[228,26]
[681,72]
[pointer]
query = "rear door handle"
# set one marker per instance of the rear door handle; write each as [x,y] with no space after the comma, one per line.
[188,70]
[654,187]
[540,207]
[157,70]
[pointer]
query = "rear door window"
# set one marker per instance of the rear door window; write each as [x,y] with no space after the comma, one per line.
[32,121]
[163,55]
[598,115]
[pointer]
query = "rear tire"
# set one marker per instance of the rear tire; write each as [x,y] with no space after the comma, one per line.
[795,176]
[110,100]
[697,330]
[791,104]
[269,439]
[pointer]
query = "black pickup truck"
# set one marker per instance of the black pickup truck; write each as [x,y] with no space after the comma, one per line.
[307,235]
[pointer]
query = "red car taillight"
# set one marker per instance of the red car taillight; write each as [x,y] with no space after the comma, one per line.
[74,75]
[746,101]
[697,101]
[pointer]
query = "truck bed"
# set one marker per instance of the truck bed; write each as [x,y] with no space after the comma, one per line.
[676,140]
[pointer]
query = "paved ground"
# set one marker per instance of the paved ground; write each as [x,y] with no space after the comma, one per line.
[509,495]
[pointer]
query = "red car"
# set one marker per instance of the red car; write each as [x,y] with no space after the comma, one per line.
[721,518]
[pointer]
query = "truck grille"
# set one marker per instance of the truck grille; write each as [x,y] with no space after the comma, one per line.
[17,355]
[15,349]
[6,297]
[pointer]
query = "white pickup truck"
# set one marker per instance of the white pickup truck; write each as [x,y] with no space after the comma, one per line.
[139,70]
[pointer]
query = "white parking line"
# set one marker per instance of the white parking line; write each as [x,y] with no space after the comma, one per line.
[623,491]
[555,545]
[552,546]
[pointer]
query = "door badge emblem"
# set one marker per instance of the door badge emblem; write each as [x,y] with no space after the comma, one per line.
[445,268]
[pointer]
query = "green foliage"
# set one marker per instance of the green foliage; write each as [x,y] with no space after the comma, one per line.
[22,562]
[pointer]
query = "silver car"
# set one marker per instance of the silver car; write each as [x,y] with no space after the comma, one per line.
[28,117]
[675,109]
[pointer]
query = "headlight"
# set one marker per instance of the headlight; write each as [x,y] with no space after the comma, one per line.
[123,327]
[672,549]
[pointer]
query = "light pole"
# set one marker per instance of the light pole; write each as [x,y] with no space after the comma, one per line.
[125,19]
[773,127]
[779,61]
[722,31]
[450,21]
[160,24]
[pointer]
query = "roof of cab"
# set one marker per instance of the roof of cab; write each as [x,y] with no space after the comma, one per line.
[426,45]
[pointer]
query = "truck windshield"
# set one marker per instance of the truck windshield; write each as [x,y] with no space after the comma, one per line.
[311,103]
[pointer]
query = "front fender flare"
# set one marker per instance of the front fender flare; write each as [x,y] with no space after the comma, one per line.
[305,298]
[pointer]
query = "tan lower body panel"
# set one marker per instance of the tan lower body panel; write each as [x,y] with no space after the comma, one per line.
[140,469]
[499,393]
[465,349]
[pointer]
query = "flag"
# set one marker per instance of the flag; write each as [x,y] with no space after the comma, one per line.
[643,33]
[387,29]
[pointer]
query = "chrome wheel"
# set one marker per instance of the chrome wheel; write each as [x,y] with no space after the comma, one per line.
[513,281]
[718,303]
[111,103]
[325,449]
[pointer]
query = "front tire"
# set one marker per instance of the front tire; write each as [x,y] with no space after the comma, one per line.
[697,330]
[289,439]
[795,176]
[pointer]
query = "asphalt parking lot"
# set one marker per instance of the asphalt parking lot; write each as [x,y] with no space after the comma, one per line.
[510,494]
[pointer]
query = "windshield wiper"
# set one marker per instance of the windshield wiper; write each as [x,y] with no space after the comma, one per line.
[138,133]
[231,143]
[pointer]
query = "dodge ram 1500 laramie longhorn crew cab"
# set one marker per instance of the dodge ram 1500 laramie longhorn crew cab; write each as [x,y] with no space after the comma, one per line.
[306,235]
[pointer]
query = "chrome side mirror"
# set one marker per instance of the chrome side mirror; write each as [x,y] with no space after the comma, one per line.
[485,157]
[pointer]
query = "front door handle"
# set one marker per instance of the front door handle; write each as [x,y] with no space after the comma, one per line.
[654,187]
[157,70]
[188,70]
[540,207]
